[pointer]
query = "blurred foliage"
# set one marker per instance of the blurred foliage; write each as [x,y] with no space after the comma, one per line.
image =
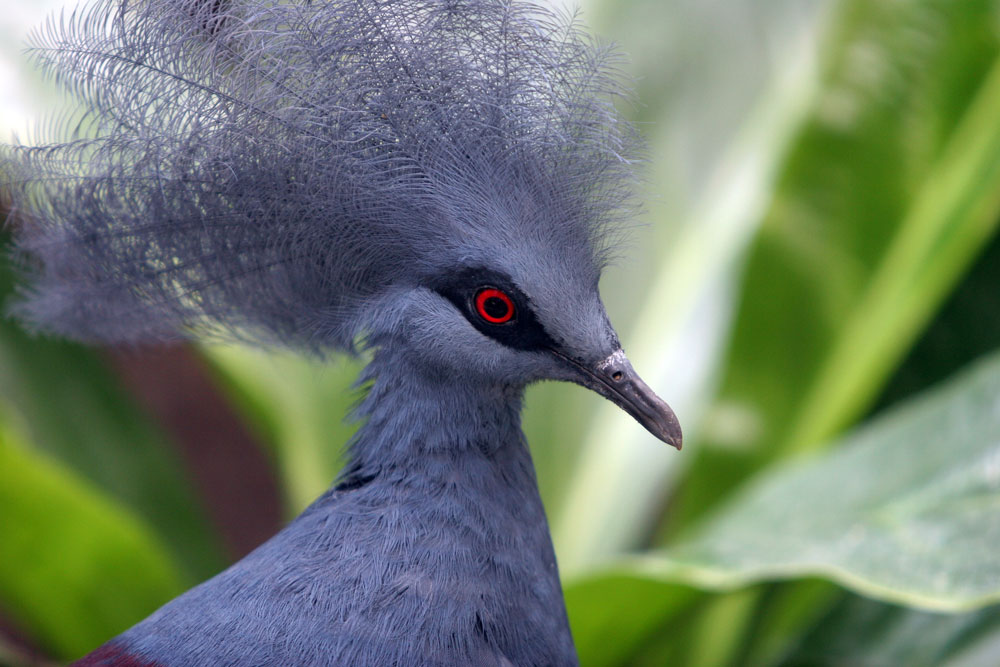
[92,545]
[301,407]
[885,197]
[925,535]
[64,400]
[858,631]
[824,176]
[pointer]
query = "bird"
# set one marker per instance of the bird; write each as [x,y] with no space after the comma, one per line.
[434,184]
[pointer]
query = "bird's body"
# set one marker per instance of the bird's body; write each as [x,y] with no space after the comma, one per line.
[436,180]
[435,551]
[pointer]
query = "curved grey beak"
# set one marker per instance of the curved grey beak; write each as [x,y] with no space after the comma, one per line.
[614,378]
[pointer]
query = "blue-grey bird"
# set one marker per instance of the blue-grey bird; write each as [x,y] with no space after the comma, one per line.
[438,181]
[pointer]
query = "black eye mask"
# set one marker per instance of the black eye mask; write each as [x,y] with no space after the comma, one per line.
[496,307]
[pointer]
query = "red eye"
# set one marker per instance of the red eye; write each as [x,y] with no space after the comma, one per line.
[494,306]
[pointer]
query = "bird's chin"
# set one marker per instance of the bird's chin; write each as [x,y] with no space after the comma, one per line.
[614,378]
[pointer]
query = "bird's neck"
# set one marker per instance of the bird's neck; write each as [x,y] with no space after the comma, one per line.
[443,468]
[413,413]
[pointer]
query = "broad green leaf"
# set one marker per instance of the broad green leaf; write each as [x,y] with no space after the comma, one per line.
[885,199]
[906,510]
[75,567]
[967,326]
[300,405]
[62,397]
[863,632]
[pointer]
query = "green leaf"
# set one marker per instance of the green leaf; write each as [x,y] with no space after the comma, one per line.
[887,196]
[75,567]
[785,610]
[626,608]
[858,631]
[625,618]
[907,510]
[966,328]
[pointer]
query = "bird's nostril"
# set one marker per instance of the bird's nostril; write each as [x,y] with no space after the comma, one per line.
[617,376]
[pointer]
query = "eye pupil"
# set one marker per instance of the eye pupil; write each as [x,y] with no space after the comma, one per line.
[494,306]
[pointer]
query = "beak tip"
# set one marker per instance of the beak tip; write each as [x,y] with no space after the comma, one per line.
[673,436]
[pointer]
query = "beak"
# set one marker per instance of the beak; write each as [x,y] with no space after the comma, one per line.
[614,378]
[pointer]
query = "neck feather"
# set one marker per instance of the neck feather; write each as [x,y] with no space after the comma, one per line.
[412,412]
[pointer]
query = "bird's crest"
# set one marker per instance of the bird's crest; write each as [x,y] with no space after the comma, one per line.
[260,169]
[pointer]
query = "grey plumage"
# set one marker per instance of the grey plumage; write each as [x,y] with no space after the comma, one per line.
[264,169]
[434,551]
[443,179]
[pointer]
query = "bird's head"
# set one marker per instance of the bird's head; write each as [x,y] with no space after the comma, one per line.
[515,312]
[446,177]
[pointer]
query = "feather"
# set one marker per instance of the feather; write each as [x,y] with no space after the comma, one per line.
[261,170]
